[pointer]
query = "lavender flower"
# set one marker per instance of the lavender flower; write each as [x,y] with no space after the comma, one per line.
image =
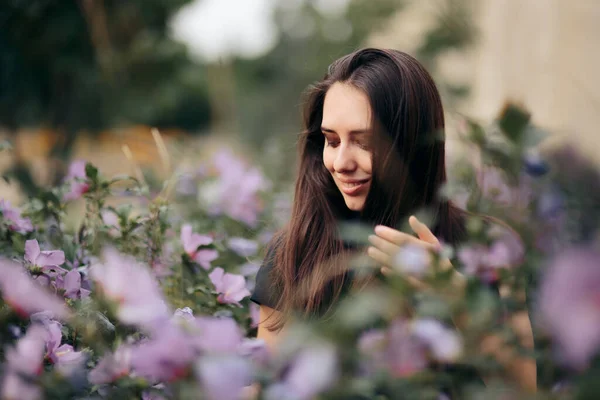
[231,287]
[223,377]
[506,251]
[412,260]
[314,370]
[131,286]
[569,307]
[112,367]
[495,187]
[47,261]
[236,191]
[166,356]
[444,344]
[218,335]
[77,181]
[191,241]
[65,359]
[26,296]
[110,219]
[72,285]
[13,217]
[396,349]
[243,247]
[24,360]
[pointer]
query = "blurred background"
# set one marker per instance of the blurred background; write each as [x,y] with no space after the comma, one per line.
[89,79]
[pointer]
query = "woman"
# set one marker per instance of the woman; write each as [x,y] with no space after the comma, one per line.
[372,150]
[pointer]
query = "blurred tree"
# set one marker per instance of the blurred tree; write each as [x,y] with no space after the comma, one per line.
[85,65]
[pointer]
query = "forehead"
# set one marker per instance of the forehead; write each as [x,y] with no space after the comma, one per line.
[346,108]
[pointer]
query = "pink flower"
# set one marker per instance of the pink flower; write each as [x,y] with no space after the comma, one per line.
[236,193]
[77,180]
[231,287]
[223,377]
[569,305]
[505,251]
[24,360]
[165,357]
[218,335]
[192,241]
[132,287]
[13,217]
[313,370]
[72,285]
[47,261]
[112,366]
[242,246]
[26,296]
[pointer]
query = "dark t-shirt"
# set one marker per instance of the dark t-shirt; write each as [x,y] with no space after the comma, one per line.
[265,293]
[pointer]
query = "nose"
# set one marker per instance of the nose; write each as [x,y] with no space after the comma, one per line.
[344,159]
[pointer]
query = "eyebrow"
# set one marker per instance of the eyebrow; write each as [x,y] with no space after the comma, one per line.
[352,132]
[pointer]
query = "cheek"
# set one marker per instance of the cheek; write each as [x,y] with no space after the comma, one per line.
[366,162]
[328,159]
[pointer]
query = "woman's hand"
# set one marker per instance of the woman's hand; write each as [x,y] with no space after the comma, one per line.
[387,242]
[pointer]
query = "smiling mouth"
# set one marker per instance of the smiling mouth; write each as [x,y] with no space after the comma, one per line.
[353,188]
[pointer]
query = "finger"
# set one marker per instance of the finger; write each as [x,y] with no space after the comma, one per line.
[387,271]
[395,236]
[379,256]
[423,231]
[384,245]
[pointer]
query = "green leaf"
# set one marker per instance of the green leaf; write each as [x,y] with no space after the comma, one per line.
[513,120]
[91,172]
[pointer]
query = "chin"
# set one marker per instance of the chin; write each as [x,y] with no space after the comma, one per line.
[355,204]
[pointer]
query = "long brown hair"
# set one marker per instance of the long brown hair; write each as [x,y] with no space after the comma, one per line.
[408,170]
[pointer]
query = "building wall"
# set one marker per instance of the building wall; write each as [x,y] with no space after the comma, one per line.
[542,53]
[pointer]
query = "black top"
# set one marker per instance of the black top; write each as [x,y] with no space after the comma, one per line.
[265,294]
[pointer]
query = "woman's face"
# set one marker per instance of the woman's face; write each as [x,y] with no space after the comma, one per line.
[347,133]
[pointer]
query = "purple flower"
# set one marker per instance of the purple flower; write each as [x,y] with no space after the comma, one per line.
[569,305]
[254,349]
[132,287]
[223,377]
[313,370]
[26,296]
[495,187]
[165,357]
[505,251]
[13,217]
[191,241]
[236,193]
[72,285]
[231,287]
[243,247]
[24,360]
[77,180]
[218,335]
[412,260]
[112,366]
[65,359]
[444,344]
[47,261]
[396,349]
[185,314]
[110,219]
